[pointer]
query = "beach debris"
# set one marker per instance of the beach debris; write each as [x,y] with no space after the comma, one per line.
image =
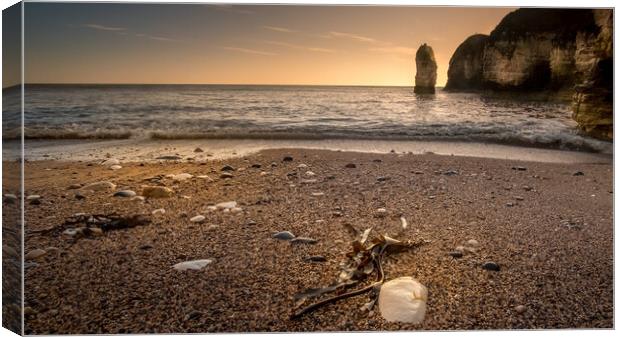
[284,235]
[171,157]
[363,261]
[350,165]
[99,186]
[35,254]
[403,300]
[158,211]
[115,167]
[490,266]
[125,194]
[287,158]
[197,218]
[403,222]
[226,175]
[180,176]
[198,150]
[10,198]
[110,162]
[83,224]
[315,258]
[156,192]
[227,168]
[303,240]
[192,265]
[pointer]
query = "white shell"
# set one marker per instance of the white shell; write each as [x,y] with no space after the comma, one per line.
[115,167]
[192,265]
[403,300]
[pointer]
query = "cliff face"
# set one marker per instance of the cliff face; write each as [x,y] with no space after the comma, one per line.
[549,50]
[465,69]
[426,70]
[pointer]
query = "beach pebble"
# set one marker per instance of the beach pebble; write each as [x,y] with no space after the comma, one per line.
[74,186]
[300,166]
[256,165]
[115,167]
[180,176]
[125,194]
[472,242]
[226,175]
[137,198]
[383,178]
[519,198]
[520,309]
[226,205]
[235,210]
[197,150]
[35,254]
[197,218]
[381,212]
[308,181]
[578,173]
[491,266]
[168,157]
[450,173]
[192,265]
[204,177]
[310,173]
[10,198]
[519,168]
[304,240]
[70,232]
[350,165]
[156,192]
[316,258]
[287,158]
[263,173]
[79,196]
[34,199]
[317,194]
[284,235]
[110,162]
[403,300]
[227,168]
[456,253]
[158,211]
[99,186]
[94,231]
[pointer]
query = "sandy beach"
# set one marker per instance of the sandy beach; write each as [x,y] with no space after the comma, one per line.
[548,226]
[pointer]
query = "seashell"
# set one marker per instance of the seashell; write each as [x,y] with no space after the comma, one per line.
[403,300]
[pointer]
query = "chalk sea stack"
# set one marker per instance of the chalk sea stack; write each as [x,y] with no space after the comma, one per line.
[426,70]
[565,53]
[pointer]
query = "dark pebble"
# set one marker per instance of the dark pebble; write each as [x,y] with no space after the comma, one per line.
[456,254]
[168,158]
[226,175]
[78,196]
[519,168]
[316,258]
[228,168]
[578,173]
[287,158]
[383,178]
[350,165]
[377,160]
[490,266]
[256,165]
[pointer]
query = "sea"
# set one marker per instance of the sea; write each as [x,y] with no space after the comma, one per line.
[175,112]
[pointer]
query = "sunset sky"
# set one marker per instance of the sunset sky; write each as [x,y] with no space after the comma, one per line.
[181,43]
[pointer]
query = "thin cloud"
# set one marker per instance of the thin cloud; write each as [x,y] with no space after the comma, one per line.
[280,29]
[350,36]
[102,27]
[300,47]
[249,51]
[394,50]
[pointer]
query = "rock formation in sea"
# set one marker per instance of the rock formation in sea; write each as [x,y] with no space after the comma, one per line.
[426,70]
[564,52]
[465,70]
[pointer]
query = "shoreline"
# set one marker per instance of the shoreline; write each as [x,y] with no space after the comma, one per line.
[148,150]
[528,220]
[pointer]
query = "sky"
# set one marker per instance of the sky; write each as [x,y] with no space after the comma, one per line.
[226,44]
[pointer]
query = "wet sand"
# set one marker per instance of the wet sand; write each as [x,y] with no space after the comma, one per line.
[549,230]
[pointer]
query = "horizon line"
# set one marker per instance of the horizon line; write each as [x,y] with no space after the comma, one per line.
[213,84]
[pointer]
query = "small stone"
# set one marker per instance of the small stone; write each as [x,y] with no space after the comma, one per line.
[317,194]
[198,150]
[99,186]
[10,198]
[381,212]
[180,176]
[74,186]
[490,266]
[450,173]
[168,157]
[304,240]
[94,231]
[125,194]
[115,167]
[287,158]
[472,242]
[456,254]
[350,165]
[383,178]
[34,199]
[71,232]
[138,198]
[35,254]
[519,198]
[226,205]
[256,165]
[79,196]
[520,309]
[227,168]
[519,168]
[235,210]
[226,175]
[158,211]
[145,247]
[310,173]
[192,265]
[377,160]
[509,204]
[300,166]
[308,181]
[578,173]
[527,188]
[263,173]
[316,258]
[111,162]
[197,219]
[284,235]
[250,223]
[156,192]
